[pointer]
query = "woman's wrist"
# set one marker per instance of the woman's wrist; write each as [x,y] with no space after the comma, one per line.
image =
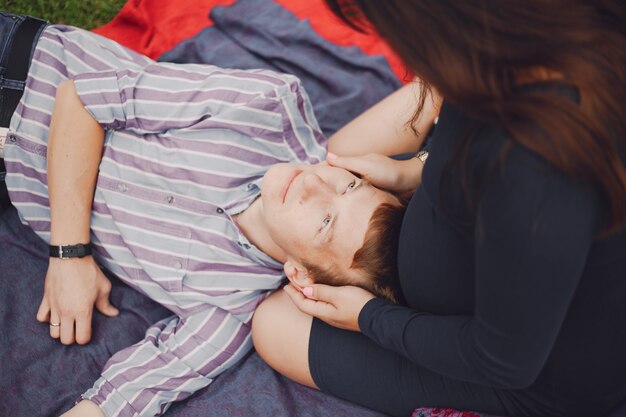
[365,315]
[410,175]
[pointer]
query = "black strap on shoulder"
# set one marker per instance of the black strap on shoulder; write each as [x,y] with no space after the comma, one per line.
[19,57]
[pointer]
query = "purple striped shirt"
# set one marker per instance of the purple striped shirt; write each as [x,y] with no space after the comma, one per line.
[185,148]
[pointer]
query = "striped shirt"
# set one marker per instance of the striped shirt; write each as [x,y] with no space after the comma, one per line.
[185,148]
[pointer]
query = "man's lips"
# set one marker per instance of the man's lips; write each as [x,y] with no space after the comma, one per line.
[289,182]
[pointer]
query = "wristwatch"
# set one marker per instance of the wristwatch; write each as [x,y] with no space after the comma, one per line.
[422,156]
[70,251]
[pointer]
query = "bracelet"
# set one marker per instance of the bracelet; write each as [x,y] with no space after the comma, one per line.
[70,251]
[422,156]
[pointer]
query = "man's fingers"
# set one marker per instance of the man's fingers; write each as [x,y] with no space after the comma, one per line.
[104,305]
[43,314]
[83,330]
[55,331]
[67,330]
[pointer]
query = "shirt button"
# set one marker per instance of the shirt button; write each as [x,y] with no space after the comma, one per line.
[170,199]
[178,265]
[121,187]
[250,186]
[243,244]
[220,210]
[12,138]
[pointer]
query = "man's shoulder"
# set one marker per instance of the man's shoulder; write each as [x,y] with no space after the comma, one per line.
[267,83]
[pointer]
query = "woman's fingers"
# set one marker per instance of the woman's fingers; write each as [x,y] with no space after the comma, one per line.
[321,292]
[380,170]
[310,306]
[358,165]
[337,306]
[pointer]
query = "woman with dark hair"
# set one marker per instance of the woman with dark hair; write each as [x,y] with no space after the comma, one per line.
[512,254]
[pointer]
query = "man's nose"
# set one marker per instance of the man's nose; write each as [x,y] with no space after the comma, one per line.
[314,186]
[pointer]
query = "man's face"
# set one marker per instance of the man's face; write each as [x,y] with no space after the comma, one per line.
[318,213]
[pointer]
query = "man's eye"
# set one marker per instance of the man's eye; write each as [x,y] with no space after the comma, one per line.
[326,222]
[351,186]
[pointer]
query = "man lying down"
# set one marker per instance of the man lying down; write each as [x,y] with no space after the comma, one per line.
[198,186]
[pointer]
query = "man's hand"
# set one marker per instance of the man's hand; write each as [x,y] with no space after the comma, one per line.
[85,408]
[72,287]
[337,306]
[382,171]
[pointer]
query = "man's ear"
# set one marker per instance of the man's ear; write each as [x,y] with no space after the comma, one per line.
[297,274]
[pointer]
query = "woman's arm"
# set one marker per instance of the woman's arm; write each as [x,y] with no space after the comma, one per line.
[73,285]
[385,127]
[534,229]
[399,176]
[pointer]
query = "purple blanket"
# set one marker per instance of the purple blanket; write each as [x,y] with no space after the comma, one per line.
[41,377]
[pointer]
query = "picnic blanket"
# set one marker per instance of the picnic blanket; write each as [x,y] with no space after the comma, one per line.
[344,72]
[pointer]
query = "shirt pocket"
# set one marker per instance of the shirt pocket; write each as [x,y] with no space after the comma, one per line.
[163,254]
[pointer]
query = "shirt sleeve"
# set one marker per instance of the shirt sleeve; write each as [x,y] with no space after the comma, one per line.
[301,130]
[160,96]
[533,232]
[177,357]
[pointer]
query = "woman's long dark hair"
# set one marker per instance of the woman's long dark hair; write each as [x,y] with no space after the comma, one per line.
[475,53]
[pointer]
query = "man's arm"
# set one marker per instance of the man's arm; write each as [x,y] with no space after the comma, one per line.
[385,128]
[72,286]
[178,357]
[74,152]
[85,408]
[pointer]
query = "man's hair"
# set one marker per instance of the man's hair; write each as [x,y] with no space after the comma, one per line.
[377,259]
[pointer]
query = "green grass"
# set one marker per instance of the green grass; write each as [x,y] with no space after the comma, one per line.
[86,14]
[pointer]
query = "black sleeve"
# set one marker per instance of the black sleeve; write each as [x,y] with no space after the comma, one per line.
[533,231]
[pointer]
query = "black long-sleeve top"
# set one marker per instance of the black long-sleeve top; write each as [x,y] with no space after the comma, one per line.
[509,288]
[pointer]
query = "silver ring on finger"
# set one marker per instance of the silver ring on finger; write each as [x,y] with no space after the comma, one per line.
[53,324]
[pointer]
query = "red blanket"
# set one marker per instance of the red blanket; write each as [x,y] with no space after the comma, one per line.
[152,27]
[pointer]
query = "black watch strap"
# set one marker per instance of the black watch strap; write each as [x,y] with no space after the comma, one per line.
[70,251]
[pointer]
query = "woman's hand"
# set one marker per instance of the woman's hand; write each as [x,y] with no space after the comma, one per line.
[382,171]
[337,306]
[72,287]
